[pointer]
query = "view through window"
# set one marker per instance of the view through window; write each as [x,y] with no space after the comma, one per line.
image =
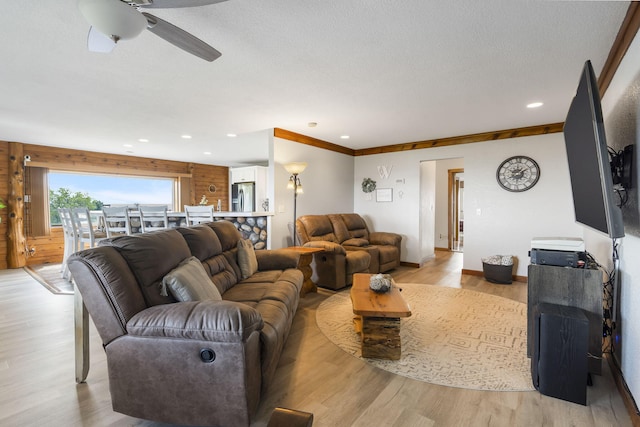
[71,189]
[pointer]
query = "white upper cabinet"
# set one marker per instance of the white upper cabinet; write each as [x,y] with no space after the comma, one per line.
[247,174]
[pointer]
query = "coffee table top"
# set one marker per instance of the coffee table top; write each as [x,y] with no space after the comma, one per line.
[372,304]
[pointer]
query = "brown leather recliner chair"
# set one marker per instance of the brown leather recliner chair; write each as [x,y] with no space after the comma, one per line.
[353,234]
[333,268]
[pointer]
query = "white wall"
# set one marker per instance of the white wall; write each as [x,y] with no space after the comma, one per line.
[327,183]
[496,221]
[621,111]
[428,210]
[442,199]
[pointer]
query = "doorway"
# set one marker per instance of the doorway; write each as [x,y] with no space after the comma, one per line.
[455,209]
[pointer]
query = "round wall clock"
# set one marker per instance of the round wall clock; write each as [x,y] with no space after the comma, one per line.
[518,173]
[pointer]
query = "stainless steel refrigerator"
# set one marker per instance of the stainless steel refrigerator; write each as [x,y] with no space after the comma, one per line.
[243,197]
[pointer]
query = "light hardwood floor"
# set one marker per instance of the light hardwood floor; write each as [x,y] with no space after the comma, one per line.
[37,372]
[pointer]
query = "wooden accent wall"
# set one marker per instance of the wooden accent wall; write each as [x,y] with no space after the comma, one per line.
[4,195]
[15,206]
[49,248]
[203,177]
[89,161]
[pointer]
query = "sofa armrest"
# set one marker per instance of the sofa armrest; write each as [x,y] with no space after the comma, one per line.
[208,320]
[384,238]
[277,259]
[329,247]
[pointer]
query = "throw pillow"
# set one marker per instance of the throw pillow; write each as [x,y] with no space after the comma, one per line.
[190,282]
[247,258]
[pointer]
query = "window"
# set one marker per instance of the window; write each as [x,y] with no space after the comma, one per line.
[72,189]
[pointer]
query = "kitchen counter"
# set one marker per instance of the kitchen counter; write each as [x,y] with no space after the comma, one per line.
[219,214]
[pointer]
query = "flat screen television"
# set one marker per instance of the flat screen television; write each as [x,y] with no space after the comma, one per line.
[586,144]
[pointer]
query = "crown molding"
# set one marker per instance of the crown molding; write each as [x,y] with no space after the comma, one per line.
[465,139]
[308,140]
[419,145]
[626,34]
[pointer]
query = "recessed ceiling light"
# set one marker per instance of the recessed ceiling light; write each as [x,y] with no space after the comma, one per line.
[143,140]
[129,152]
[312,124]
[207,153]
[231,135]
[344,136]
[535,105]
[186,136]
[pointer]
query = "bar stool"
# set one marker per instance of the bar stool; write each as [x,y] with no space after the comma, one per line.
[153,218]
[116,221]
[84,229]
[198,214]
[70,239]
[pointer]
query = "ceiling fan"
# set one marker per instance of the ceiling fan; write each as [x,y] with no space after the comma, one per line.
[115,20]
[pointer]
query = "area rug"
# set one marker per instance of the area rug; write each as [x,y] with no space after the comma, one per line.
[50,276]
[454,337]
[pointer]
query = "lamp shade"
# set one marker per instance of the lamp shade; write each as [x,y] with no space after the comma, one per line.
[295,167]
[113,18]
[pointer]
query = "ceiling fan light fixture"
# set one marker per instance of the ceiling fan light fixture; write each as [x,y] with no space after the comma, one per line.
[113,18]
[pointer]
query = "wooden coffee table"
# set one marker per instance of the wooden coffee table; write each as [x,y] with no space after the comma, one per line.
[378,318]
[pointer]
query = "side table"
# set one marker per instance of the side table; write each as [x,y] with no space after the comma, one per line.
[304,265]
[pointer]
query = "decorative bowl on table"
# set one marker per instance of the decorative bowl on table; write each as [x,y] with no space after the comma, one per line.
[380,283]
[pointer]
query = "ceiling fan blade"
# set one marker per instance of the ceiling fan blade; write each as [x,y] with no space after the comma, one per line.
[181,38]
[167,4]
[98,42]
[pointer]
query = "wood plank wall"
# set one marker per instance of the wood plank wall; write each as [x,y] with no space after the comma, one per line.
[203,177]
[4,194]
[49,249]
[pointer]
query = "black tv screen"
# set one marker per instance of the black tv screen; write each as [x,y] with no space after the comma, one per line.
[591,178]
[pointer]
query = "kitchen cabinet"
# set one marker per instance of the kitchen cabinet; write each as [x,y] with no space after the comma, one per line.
[246,174]
[255,174]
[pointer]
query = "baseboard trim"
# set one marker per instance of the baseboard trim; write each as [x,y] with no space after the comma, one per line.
[625,393]
[409,264]
[515,278]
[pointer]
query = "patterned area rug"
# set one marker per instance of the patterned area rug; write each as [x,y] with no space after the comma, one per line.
[455,337]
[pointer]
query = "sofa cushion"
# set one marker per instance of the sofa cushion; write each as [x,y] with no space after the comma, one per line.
[356,225]
[316,227]
[190,282]
[356,242]
[227,233]
[247,258]
[151,256]
[207,320]
[202,241]
[222,274]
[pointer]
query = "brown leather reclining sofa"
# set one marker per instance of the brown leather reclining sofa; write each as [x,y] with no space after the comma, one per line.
[347,242]
[201,362]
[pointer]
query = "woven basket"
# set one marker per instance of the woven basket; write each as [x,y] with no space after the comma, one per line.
[501,274]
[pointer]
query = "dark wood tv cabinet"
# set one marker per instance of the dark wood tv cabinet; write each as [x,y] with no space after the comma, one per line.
[573,287]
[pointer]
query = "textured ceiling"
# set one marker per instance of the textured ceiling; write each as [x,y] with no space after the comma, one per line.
[383,72]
